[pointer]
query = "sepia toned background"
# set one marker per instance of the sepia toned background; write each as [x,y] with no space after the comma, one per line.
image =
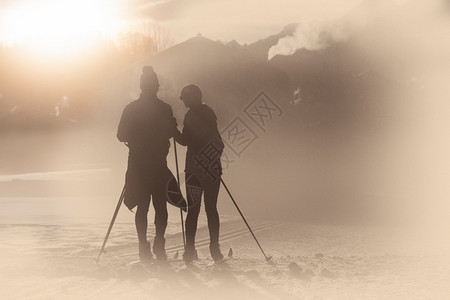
[354,131]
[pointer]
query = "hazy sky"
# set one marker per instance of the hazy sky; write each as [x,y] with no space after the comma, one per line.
[243,20]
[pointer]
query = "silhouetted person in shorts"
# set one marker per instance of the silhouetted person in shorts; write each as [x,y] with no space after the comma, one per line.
[146,126]
[203,169]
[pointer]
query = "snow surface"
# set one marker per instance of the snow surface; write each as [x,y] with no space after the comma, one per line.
[45,259]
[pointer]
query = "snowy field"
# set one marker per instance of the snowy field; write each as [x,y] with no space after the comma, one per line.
[43,257]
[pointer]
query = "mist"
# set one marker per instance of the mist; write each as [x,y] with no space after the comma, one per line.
[315,165]
[344,167]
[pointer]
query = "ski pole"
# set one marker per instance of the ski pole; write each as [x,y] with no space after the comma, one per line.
[112,223]
[178,181]
[243,218]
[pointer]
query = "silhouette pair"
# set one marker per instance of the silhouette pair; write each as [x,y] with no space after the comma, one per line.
[146,126]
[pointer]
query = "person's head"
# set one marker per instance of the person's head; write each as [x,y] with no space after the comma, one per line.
[149,81]
[191,95]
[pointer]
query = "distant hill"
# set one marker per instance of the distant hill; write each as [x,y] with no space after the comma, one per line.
[229,76]
[333,87]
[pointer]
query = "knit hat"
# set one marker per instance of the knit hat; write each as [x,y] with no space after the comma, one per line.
[149,78]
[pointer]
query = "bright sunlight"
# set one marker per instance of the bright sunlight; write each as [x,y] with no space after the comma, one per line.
[59,27]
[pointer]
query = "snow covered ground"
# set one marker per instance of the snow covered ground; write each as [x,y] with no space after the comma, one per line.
[45,258]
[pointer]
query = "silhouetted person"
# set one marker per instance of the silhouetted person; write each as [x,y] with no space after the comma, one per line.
[203,169]
[146,127]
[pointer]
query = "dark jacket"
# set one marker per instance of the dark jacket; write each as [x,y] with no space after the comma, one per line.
[146,126]
[203,141]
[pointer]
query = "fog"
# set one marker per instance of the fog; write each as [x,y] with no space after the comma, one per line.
[339,172]
[356,138]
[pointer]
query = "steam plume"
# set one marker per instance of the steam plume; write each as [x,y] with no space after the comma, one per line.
[311,36]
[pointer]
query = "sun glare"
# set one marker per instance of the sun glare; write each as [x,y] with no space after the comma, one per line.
[58,26]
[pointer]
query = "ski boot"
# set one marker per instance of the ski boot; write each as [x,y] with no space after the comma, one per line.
[190,254]
[214,249]
[145,254]
[159,248]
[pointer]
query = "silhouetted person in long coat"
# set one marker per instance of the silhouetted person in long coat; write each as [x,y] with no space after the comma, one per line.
[146,126]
